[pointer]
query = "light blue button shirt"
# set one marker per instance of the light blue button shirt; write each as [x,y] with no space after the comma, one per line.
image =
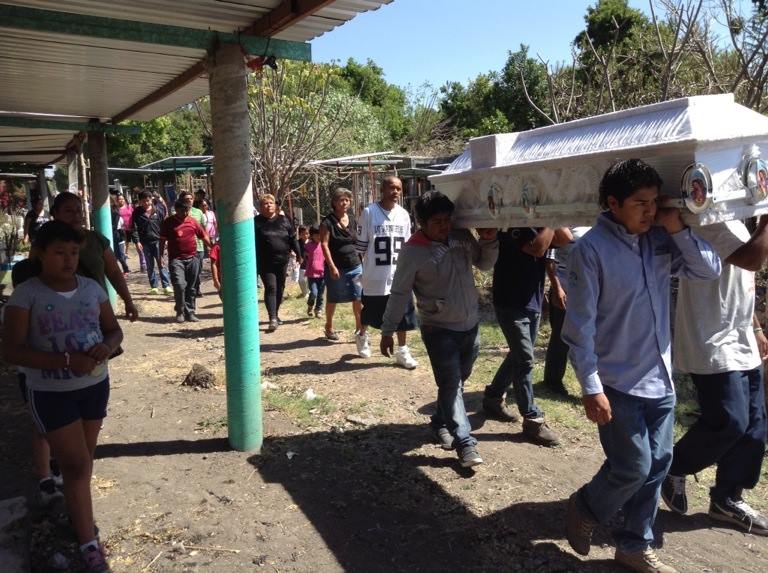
[617,320]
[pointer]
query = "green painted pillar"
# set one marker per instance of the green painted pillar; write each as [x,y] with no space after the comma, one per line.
[234,203]
[102,215]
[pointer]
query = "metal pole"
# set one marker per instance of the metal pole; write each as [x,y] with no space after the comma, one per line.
[232,165]
[82,182]
[102,215]
[317,200]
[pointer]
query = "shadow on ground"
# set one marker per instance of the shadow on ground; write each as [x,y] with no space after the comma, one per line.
[366,493]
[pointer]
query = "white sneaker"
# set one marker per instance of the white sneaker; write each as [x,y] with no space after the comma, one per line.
[403,358]
[363,344]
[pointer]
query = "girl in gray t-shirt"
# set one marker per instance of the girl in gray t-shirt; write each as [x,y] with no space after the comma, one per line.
[59,329]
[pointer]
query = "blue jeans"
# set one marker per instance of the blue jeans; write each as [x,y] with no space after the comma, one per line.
[638,448]
[152,256]
[316,288]
[730,432]
[452,355]
[520,327]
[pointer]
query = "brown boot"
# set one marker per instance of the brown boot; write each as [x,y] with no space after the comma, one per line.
[645,561]
[538,432]
[496,409]
[579,528]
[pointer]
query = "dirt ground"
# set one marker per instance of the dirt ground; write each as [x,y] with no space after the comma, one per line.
[351,484]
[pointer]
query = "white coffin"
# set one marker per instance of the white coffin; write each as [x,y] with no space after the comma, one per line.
[706,149]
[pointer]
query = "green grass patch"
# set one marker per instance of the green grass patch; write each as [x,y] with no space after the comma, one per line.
[211,425]
[297,407]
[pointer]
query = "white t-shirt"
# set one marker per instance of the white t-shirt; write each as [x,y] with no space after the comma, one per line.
[380,237]
[713,321]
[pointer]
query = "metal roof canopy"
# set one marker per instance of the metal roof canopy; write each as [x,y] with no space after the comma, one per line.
[117,61]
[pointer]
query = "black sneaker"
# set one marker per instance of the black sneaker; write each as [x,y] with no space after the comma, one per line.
[443,437]
[272,325]
[673,493]
[180,318]
[469,457]
[739,513]
[192,317]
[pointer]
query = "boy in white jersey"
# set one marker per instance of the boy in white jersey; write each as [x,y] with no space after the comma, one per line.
[383,230]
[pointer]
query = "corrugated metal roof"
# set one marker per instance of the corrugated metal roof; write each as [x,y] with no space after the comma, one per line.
[46,72]
[13,139]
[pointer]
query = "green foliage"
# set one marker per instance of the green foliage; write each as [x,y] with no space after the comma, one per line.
[388,101]
[495,102]
[610,22]
[303,112]
[178,133]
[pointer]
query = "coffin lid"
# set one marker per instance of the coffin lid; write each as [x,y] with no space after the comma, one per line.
[697,120]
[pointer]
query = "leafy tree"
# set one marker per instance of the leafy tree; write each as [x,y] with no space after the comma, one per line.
[300,113]
[177,133]
[388,101]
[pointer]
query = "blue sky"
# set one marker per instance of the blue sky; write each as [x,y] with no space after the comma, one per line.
[455,40]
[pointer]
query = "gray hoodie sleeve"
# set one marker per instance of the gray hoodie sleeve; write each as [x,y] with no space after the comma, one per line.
[401,291]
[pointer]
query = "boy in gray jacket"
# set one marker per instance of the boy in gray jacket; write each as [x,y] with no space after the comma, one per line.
[436,265]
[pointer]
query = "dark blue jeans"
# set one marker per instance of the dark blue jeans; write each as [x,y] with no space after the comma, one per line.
[316,288]
[452,355]
[638,450]
[152,256]
[520,327]
[730,432]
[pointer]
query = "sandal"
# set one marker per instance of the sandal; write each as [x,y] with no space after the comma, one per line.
[331,335]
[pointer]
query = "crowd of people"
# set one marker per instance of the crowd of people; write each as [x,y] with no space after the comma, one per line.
[609,308]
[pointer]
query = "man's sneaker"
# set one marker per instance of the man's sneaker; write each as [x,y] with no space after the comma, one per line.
[538,432]
[496,409]
[318,313]
[645,561]
[403,358]
[272,325]
[153,290]
[443,437]
[94,561]
[192,317]
[673,493]
[468,457]
[180,318]
[47,492]
[740,514]
[578,528]
[168,290]
[309,310]
[363,344]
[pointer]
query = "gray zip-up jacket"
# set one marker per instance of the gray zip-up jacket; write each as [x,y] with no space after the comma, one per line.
[440,275]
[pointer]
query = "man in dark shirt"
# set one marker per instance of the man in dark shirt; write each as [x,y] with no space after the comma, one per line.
[181,232]
[145,226]
[518,292]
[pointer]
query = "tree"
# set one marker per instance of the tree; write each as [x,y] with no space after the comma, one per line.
[177,133]
[388,101]
[299,113]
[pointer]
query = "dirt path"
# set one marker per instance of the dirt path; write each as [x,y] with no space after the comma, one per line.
[352,484]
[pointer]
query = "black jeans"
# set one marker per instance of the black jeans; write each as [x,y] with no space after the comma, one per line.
[730,432]
[274,286]
[184,272]
[557,352]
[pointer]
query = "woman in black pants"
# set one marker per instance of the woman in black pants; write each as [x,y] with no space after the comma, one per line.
[275,239]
